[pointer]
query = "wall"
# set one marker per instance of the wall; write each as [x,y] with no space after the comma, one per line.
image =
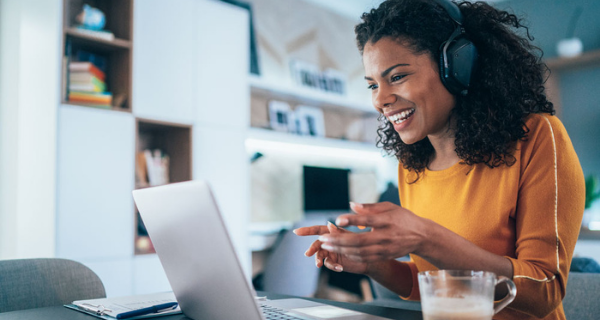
[29,92]
[548,22]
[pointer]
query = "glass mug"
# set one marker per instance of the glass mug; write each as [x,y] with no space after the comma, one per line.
[462,294]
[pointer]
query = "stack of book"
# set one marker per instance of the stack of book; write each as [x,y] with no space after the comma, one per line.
[87,86]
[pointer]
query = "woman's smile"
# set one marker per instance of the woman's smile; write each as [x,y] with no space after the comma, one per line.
[401,118]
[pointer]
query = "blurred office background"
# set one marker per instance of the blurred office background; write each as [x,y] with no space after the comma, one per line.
[265,99]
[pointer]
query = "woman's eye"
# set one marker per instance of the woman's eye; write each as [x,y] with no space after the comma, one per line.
[372,87]
[397,78]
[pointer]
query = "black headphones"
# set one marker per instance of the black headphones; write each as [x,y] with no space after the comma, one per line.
[458,54]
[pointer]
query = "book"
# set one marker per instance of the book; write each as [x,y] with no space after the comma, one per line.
[84,66]
[90,86]
[100,34]
[85,77]
[141,170]
[100,99]
[87,87]
[112,308]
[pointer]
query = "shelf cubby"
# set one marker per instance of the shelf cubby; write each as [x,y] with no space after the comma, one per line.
[174,140]
[119,17]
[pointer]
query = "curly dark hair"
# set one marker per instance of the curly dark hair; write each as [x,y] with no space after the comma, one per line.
[507,86]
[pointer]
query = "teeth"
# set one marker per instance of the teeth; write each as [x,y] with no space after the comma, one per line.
[402,116]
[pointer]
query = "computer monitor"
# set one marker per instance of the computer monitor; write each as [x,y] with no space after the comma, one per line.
[326,189]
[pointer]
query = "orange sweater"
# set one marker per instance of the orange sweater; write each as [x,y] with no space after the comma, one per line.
[530,213]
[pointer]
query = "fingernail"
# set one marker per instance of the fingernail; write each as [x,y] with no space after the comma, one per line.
[294,231]
[330,224]
[327,247]
[356,205]
[341,221]
[306,253]
[338,268]
[324,238]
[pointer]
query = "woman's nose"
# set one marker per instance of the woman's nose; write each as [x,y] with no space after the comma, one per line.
[383,97]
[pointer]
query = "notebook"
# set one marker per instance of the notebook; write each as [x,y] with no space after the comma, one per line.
[114,308]
[193,246]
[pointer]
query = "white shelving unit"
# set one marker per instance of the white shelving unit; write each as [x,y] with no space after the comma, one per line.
[307,95]
[274,138]
[96,148]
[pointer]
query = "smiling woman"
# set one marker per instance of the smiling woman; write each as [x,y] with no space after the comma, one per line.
[488,177]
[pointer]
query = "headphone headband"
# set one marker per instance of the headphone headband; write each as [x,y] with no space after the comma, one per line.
[452,10]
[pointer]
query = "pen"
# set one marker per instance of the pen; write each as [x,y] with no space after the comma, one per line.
[153,309]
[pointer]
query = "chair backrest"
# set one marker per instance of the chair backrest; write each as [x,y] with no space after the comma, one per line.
[582,300]
[37,283]
[287,270]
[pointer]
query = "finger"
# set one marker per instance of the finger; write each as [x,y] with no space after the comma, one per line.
[333,229]
[353,239]
[311,231]
[368,259]
[321,255]
[314,247]
[372,208]
[379,251]
[333,266]
[368,220]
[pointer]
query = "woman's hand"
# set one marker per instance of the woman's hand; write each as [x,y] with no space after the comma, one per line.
[333,261]
[395,232]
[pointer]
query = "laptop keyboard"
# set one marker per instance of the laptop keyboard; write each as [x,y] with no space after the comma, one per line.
[272,313]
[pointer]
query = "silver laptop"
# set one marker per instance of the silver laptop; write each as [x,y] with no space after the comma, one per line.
[193,245]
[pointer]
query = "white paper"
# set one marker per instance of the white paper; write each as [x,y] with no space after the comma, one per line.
[124,304]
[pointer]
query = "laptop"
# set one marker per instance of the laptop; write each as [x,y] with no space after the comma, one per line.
[193,246]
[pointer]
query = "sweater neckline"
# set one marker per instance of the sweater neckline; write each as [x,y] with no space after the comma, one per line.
[453,170]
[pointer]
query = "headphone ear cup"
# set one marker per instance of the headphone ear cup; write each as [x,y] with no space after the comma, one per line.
[462,58]
[442,67]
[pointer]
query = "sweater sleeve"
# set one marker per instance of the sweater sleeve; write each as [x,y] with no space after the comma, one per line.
[414,291]
[548,217]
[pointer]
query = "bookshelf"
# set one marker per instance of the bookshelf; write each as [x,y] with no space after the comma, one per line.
[114,51]
[174,141]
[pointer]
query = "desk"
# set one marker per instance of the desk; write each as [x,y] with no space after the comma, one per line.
[62,313]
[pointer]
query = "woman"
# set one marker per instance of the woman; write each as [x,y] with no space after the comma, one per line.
[488,177]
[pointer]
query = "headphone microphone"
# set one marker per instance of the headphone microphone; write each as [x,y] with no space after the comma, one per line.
[458,55]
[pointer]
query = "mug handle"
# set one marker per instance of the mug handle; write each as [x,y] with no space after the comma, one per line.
[512,293]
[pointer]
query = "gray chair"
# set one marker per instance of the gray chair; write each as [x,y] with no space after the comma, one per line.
[582,300]
[37,283]
[287,270]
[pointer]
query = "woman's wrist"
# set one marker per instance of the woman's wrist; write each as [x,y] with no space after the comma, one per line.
[374,269]
[426,242]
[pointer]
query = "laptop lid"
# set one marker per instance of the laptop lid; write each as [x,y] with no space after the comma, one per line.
[194,248]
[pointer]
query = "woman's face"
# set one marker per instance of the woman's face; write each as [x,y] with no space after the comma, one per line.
[407,89]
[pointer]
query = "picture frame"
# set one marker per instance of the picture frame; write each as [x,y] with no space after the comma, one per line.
[310,75]
[305,74]
[280,116]
[335,81]
[310,121]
